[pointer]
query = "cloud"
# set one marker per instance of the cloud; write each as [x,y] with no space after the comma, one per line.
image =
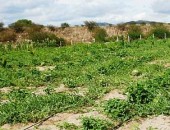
[161,6]
[76,11]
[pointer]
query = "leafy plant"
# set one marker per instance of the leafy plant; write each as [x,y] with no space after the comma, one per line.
[90,123]
[119,109]
[91,25]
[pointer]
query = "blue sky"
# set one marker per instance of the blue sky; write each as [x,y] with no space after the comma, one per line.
[55,12]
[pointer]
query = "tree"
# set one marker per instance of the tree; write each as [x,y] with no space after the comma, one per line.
[159,31]
[1,26]
[134,32]
[100,34]
[65,25]
[19,25]
[91,25]
[51,28]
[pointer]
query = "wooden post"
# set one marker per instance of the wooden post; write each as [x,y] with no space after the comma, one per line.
[94,40]
[165,35]
[153,36]
[140,37]
[117,38]
[128,38]
[71,41]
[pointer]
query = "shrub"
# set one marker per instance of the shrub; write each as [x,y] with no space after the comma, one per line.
[7,36]
[1,26]
[49,38]
[33,28]
[118,109]
[122,27]
[91,25]
[159,32]
[19,25]
[51,28]
[100,35]
[90,123]
[65,25]
[134,32]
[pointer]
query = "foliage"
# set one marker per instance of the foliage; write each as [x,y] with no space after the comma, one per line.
[49,38]
[134,32]
[160,31]
[100,35]
[119,109]
[91,25]
[122,27]
[68,126]
[51,28]
[65,25]
[90,123]
[7,36]
[1,26]
[25,107]
[19,25]
[146,98]
[95,69]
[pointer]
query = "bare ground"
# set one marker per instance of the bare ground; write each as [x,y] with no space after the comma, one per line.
[155,123]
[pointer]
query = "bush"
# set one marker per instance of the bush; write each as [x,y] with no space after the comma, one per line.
[119,109]
[122,27]
[7,36]
[91,25]
[159,32]
[100,35]
[1,26]
[19,25]
[65,25]
[134,32]
[51,28]
[90,123]
[49,38]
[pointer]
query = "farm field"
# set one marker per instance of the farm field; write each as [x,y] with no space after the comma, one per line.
[86,86]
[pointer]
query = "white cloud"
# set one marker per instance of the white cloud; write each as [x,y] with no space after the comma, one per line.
[77,11]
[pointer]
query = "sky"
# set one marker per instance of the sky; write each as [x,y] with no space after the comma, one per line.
[74,12]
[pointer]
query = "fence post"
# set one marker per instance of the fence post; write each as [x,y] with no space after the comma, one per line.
[71,41]
[140,37]
[117,39]
[94,40]
[82,40]
[153,36]
[128,38]
[165,35]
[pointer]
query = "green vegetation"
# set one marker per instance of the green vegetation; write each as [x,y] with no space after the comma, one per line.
[93,70]
[134,32]
[160,32]
[100,35]
[91,25]
[65,25]
[7,35]
[95,124]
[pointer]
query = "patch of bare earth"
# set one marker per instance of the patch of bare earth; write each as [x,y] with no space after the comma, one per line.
[158,123]
[54,122]
[45,68]
[62,88]
[5,90]
[167,65]
[114,94]
[157,62]
[72,118]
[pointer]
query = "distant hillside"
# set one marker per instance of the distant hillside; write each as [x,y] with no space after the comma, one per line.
[143,22]
[103,24]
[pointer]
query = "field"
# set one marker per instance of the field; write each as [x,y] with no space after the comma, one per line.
[85,86]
